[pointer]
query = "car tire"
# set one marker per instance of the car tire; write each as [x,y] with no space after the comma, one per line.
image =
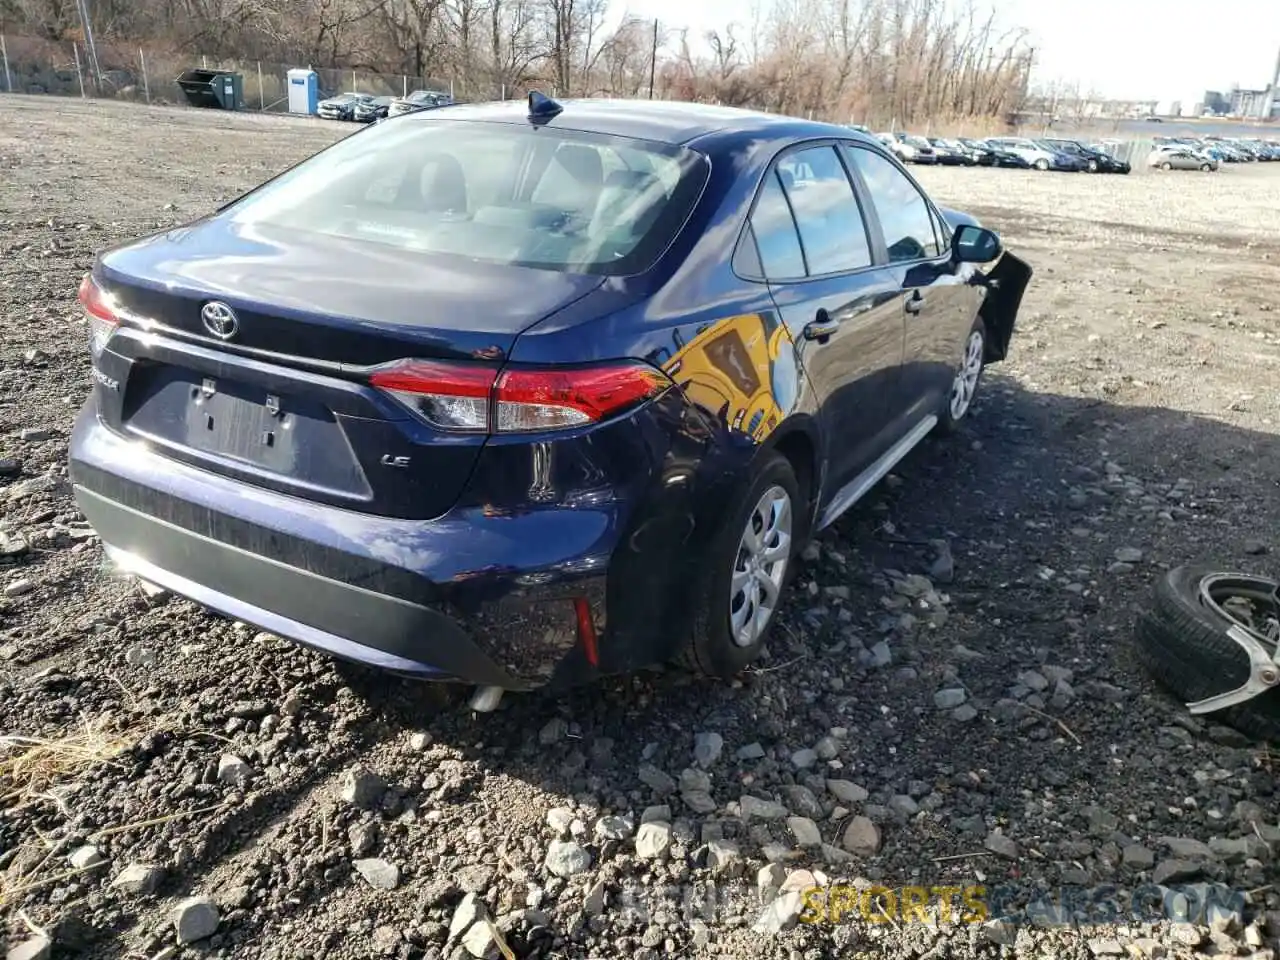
[968,376]
[1093,166]
[1166,165]
[1206,167]
[1042,165]
[714,649]
[1182,642]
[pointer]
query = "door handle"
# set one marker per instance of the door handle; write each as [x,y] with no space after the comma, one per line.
[914,303]
[821,327]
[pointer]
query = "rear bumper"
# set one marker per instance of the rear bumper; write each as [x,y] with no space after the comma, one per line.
[435,599]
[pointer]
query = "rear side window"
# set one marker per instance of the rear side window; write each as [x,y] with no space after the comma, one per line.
[549,198]
[905,215]
[832,233]
[775,232]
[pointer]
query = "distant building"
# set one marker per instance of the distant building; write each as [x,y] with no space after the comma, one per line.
[1214,102]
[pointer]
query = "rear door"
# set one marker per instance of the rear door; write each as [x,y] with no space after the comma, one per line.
[841,309]
[937,299]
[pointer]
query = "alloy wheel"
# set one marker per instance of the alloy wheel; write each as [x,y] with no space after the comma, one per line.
[760,566]
[965,384]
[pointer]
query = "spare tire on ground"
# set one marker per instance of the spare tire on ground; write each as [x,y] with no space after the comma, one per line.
[1182,639]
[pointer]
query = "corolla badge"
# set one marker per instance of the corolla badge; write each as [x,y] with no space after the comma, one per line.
[219,319]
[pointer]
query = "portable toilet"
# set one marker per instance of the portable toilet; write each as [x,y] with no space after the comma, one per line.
[304,91]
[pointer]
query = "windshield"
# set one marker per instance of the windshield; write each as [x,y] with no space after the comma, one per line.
[495,192]
[917,141]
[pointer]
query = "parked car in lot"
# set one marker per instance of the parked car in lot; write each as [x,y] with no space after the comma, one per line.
[1038,154]
[1095,160]
[419,100]
[908,148]
[375,108]
[343,106]
[523,393]
[1180,158]
[951,153]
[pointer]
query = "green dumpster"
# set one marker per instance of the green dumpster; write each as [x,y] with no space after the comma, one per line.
[213,88]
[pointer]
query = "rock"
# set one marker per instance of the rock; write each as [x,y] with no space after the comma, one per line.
[1137,856]
[613,828]
[1188,848]
[594,902]
[964,713]
[419,741]
[553,731]
[1002,846]
[9,467]
[827,748]
[769,881]
[379,874]
[195,919]
[699,801]
[903,806]
[949,698]
[805,831]
[752,751]
[1000,932]
[1129,555]
[82,858]
[363,788]
[663,784]
[943,568]
[723,856]
[653,840]
[753,808]
[35,435]
[363,837]
[559,819]
[1174,871]
[139,879]
[37,948]
[1255,548]
[847,792]
[479,942]
[804,759]
[566,858]
[781,914]
[19,588]
[233,770]
[1187,934]
[12,547]
[1105,947]
[802,802]
[881,655]
[707,748]
[861,837]
[660,813]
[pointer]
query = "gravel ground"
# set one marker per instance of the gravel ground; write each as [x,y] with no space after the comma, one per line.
[950,700]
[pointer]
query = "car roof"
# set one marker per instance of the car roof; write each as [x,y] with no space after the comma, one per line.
[657,120]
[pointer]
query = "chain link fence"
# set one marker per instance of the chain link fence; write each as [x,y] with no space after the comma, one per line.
[36,66]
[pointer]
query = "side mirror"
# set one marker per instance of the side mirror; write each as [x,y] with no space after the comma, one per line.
[972,244]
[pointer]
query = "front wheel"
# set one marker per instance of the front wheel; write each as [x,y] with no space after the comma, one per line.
[746,570]
[1206,167]
[1042,165]
[964,385]
[1166,165]
[1184,640]
[1093,166]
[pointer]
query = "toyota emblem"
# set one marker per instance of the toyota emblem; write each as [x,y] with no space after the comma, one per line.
[219,319]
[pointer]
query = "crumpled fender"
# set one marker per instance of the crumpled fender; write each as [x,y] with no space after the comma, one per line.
[1006,283]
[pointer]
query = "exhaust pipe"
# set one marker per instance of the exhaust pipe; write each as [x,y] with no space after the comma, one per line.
[485,699]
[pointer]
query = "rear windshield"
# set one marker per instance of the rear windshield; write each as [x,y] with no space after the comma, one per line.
[495,192]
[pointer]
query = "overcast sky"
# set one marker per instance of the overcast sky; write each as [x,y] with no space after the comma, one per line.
[1132,49]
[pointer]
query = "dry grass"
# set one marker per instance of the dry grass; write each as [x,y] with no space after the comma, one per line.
[31,766]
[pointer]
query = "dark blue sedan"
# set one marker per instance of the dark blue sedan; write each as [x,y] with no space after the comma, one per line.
[521,394]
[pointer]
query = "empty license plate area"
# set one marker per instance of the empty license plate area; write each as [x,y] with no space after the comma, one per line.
[223,421]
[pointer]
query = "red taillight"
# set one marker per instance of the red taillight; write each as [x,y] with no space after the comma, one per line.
[475,398]
[100,312]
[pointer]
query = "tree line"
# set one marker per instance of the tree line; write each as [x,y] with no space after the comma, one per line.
[871,61]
